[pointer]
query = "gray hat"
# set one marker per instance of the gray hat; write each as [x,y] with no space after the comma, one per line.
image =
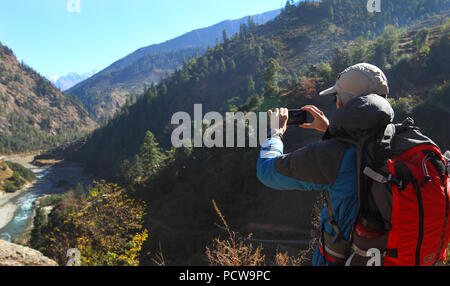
[357,80]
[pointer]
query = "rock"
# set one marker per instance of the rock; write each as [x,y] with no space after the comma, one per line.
[16,255]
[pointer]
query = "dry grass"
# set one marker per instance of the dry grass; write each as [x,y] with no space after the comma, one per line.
[159,259]
[283,259]
[235,251]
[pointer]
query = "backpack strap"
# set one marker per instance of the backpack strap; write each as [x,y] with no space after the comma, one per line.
[331,219]
[335,247]
[381,178]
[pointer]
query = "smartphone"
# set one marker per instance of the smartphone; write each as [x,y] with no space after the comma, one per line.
[297,117]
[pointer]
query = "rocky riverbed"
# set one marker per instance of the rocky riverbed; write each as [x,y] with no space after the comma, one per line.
[16,209]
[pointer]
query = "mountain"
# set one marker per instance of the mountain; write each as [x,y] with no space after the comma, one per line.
[34,114]
[104,93]
[71,79]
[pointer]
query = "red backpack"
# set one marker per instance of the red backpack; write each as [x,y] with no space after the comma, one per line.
[404,203]
[420,229]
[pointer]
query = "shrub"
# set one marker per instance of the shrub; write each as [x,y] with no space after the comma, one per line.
[106,227]
[22,171]
[10,187]
[403,107]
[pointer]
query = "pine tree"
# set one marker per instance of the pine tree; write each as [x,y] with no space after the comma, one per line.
[150,154]
[225,36]
[251,24]
[243,31]
[126,174]
[163,89]
[223,67]
[232,65]
[250,85]
[137,167]
[341,60]
[271,78]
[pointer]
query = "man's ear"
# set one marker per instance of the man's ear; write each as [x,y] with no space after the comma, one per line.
[339,103]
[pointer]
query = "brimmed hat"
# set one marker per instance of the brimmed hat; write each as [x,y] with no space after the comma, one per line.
[357,80]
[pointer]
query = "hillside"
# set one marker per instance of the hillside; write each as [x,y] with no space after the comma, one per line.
[108,90]
[181,214]
[33,113]
[229,74]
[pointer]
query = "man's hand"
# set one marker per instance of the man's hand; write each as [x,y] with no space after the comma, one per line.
[320,122]
[279,119]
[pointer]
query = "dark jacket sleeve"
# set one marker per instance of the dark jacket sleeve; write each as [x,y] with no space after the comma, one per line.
[314,167]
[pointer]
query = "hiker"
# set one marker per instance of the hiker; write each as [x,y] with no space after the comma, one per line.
[351,223]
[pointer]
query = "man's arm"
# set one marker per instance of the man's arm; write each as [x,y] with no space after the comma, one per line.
[314,167]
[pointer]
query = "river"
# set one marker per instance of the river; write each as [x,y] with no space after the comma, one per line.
[16,209]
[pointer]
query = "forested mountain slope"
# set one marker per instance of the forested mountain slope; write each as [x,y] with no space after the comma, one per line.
[34,114]
[230,74]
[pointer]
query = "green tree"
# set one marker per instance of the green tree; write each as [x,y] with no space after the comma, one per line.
[150,154]
[271,78]
[420,39]
[232,65]
[250,84]
[225,36]
[163,88]
[325,72]
[126,175]
[341,60]
[252,104]
[251,24]
[137,168]
[223,66]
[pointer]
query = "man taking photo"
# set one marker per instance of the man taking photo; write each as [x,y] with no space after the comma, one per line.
[332,165]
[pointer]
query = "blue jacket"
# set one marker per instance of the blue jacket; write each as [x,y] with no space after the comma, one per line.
[328,165]
[343,189]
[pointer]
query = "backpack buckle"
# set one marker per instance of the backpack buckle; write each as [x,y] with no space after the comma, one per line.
[382,179]
[395,181]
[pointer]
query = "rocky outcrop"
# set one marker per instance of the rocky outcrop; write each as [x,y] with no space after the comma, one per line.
[16,255]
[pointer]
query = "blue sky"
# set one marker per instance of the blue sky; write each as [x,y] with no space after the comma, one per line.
[55,39]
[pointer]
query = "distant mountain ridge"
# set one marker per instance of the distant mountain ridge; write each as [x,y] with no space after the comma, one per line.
[105,92]
[203,37]
[71,79]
